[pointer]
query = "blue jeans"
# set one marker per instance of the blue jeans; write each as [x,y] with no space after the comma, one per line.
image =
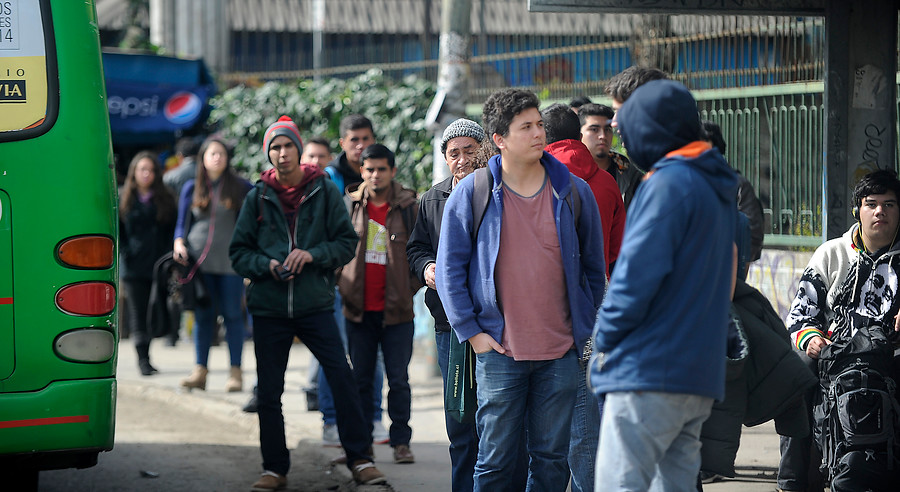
[463,439]
[538,396]
[272,340]
[585,435]
[650,441]
[225,293]
[396,342]
[326,398]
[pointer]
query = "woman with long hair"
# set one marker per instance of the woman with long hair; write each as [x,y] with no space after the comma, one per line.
[146,223]
[207,211]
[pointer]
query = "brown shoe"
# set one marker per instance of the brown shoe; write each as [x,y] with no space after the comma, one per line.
[235,380]
[269,481]
[365,473]
[197,379]
[402,454]
[342,459]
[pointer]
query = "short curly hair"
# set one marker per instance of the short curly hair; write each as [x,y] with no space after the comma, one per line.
[502,106]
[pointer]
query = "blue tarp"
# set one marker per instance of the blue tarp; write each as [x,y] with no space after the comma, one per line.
[154,99]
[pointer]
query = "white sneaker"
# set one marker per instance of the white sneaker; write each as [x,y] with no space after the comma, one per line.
[330,437]
[380,435]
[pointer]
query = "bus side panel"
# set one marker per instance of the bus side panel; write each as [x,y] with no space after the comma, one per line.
[65,415]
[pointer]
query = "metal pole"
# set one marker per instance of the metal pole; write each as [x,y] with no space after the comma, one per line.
[453,75]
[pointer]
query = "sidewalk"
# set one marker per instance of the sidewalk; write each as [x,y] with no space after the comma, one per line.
[756,462]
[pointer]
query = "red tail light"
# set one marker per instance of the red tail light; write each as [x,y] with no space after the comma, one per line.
[94,252]
[87,299]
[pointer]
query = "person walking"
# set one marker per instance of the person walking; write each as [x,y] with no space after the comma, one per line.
[207,211]
[146,224]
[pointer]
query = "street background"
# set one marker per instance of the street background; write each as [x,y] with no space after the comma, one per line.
[201,440]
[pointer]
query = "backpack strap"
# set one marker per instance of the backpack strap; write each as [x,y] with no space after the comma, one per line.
[576,200]
[336,177]
[481,196]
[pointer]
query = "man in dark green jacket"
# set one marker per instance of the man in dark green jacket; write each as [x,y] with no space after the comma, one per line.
[292,233]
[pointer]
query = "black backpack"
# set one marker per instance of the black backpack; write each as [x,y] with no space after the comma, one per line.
[856,421]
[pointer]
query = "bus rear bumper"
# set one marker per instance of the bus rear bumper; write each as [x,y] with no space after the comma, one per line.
[61,426]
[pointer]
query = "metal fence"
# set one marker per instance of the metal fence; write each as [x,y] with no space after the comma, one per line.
[759,77]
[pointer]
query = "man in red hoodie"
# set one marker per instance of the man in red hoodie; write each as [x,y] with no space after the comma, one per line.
[563,130]
[564,142]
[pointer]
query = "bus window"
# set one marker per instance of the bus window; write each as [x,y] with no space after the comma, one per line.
[24,77]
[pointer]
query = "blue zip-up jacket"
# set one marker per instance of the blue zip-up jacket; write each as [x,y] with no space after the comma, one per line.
[465,276]
[663,324]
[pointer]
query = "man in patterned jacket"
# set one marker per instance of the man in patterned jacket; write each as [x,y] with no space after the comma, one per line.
[851,282]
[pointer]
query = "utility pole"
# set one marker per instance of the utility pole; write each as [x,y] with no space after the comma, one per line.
[449,103]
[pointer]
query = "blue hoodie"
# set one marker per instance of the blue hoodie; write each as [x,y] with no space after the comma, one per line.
[663,324]
[465,272]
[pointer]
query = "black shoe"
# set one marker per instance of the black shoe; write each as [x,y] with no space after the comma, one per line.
[252,404]
[146,368]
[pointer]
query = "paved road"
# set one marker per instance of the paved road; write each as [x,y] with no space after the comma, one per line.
[756,462]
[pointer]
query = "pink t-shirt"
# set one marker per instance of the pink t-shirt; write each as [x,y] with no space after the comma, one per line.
[531,283]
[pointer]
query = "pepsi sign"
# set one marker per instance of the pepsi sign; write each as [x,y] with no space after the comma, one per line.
[151,108]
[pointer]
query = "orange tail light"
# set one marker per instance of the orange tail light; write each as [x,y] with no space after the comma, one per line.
[93,252]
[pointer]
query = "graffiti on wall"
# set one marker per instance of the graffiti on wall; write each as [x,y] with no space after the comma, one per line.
[776,274]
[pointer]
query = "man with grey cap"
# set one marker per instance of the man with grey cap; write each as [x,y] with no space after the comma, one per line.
[459,145]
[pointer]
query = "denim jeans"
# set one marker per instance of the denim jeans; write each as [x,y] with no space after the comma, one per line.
[326,398]
[650,441]
[363,340]
[463,439]
[538,396]
[225,294]
[272,340]
[585,435]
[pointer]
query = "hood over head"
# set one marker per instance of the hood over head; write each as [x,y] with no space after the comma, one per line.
[659,117]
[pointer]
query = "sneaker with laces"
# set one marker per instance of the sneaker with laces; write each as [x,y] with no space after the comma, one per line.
[269,481]
[365,473]
[380,435]
[330,437]
[402,454]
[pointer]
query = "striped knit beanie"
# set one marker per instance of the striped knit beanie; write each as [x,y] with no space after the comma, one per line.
[284,126]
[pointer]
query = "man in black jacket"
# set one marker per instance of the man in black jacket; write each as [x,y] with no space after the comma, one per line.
[459,144]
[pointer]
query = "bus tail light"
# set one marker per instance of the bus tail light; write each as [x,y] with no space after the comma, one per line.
[94,252]
[87,299]
[88,345]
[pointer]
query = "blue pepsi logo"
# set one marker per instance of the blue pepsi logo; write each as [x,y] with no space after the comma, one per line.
[182,108]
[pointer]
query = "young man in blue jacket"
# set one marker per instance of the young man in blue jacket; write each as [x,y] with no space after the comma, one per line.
[524,292]
[660,337]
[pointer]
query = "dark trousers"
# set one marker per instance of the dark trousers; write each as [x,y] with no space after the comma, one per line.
[272,340]
[363,340]
[797,471]
[463,438]
[138,293]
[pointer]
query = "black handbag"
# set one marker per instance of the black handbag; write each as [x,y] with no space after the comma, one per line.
[459,396]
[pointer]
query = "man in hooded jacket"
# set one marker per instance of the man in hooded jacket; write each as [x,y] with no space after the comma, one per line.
[660,335]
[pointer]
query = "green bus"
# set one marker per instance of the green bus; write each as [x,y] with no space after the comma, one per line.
[58,226]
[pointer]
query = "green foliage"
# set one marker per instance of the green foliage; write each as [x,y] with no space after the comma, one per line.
[397,110]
